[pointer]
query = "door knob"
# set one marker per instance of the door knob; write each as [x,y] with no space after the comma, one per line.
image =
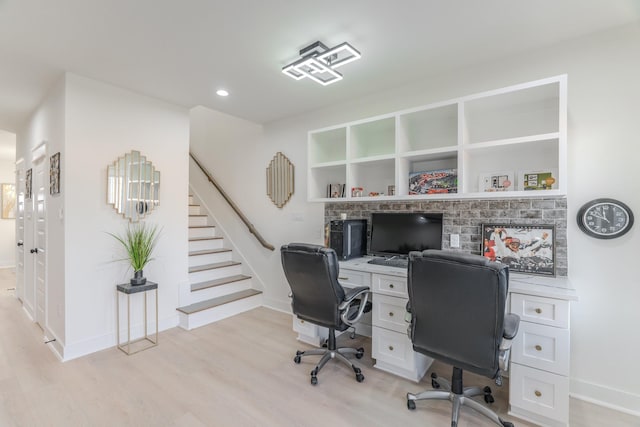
[34,251]
[20,244]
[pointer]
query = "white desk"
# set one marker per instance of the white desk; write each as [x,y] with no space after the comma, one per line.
[539,373]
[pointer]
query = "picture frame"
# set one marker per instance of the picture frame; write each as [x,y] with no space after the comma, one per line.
[28,184]
[546,179]
[8,201]
[496,181]
[524,248]
[54,174]
[441,181]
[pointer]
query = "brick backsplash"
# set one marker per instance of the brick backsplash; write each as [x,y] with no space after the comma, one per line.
[465,217]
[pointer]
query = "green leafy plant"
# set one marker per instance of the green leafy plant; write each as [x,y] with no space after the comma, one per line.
[139,240]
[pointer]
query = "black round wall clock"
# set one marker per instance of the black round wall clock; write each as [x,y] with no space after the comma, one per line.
[605,218]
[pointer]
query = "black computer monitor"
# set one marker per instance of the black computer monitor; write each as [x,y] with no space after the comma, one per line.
[396,234]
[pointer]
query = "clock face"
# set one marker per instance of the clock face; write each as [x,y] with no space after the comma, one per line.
[605,218]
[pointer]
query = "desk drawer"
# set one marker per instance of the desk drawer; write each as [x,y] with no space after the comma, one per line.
[388,313]
[393,348]
[354,278]
[545,311]
[390,285]
[303,327]
[542,347]
[539,392]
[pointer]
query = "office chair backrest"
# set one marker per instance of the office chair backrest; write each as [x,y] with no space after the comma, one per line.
[458,304]
[312,273]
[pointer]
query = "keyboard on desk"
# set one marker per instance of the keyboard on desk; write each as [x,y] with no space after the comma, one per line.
[390,262]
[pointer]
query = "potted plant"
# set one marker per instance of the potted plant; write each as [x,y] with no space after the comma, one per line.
[139,241]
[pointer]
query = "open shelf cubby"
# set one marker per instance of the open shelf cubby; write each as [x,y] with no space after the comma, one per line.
[474,143]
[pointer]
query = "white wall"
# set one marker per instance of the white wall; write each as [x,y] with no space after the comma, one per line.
[7,226]
[47,125]
[92,124]
[103,123]
[603,152]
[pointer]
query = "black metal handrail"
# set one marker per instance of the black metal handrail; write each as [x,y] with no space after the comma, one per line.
[236,209]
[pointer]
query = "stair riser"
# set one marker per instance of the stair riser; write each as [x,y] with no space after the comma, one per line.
[209,258]
[214,314]
[195,221]
[202,232]
[194,210]
[217,273]
[191,201]
[218,291]
[201,245]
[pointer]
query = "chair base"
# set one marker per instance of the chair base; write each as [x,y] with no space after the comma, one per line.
[458,396]
[332,352]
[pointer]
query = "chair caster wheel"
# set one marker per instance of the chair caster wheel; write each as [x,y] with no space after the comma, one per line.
[506,424]
[435,384]
[297,359]
[360,353]
[359,378]
[314,380]
[411,404]
[299,353]
[488,397]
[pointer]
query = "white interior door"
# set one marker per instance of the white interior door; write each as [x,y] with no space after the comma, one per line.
[20,230]
[29,289]
[40,240]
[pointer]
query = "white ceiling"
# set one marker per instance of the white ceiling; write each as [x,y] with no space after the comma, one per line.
[182,51]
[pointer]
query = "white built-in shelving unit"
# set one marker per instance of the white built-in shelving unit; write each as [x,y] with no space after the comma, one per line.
[521,128]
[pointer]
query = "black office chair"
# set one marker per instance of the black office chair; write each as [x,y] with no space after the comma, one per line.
[318,297]
[457,308]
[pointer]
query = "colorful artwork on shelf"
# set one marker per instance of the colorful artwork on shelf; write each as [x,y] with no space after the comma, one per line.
[538,180]
[496,181]
[441,181]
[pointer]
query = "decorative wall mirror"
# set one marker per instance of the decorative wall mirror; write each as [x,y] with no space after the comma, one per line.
[133,186]
[280,180]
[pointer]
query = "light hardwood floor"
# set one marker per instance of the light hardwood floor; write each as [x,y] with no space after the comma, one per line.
[237,372]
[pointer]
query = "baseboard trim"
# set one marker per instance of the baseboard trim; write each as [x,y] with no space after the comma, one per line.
[607,397]
[277,305]
[103,342]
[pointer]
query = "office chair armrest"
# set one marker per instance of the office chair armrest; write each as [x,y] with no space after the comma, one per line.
[352,294]
[511,324]
[350,297]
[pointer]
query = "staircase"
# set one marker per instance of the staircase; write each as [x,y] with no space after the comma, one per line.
[217,287]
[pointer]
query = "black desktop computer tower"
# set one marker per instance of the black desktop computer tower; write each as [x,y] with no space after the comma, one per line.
[349,238]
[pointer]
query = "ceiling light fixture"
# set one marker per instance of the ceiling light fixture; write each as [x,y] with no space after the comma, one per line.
[222,92]
[318,62]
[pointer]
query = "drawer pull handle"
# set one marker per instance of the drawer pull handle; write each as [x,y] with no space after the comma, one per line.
[390,348]
[391,314]
[537,393]
[343,278]
[538,347]
[302,321]
[391,285]
[538,310]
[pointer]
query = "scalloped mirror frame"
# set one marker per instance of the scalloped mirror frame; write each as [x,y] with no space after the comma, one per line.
[133,186]
[280,186]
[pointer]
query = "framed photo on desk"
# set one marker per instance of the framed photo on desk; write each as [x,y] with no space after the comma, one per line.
[524,248]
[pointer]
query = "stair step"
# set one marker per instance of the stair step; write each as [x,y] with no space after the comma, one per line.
[197,214]
[218,282]
[215,302]
[209,251]
[198,239]
[213,266]
[202,226]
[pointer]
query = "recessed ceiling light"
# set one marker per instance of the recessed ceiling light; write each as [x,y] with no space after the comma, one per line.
[222,92]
